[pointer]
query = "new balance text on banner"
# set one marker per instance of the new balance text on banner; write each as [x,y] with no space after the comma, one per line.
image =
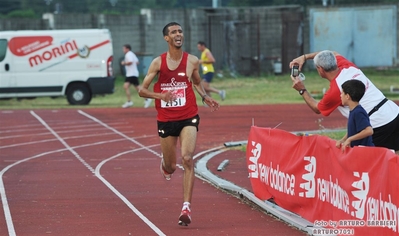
[356,192]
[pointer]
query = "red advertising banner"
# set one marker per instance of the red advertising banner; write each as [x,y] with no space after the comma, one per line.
[351,193]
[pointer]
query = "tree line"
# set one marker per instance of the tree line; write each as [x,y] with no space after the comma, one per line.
[35,8]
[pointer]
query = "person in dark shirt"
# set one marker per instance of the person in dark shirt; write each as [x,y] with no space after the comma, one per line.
[359,130]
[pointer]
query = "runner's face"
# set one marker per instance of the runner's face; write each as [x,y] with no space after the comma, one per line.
[175,36]
[200,47]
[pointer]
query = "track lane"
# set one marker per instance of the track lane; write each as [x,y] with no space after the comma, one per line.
[74,157]
[136,175]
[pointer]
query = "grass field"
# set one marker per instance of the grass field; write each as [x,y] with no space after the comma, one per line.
[268,89]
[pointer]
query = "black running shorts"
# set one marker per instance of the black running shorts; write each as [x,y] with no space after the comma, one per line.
[173,128]
[132,80]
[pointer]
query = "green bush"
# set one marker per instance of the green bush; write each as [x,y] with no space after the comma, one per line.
[22,14]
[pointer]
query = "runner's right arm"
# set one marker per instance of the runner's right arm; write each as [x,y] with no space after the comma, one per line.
[153,71]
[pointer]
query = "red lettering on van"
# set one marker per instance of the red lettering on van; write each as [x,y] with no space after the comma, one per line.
[53,53]
[22,46]
[35,59]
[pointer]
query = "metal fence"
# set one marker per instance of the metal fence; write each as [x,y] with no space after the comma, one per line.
[245,41]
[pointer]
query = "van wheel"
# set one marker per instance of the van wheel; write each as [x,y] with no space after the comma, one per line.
[78,94]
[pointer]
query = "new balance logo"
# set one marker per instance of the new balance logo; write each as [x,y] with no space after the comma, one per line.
[362,187]
[310,185]
[256,151]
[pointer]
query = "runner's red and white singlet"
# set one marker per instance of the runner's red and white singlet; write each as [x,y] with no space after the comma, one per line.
[185,106]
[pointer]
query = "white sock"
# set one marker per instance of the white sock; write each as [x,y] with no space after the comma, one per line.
[186,204]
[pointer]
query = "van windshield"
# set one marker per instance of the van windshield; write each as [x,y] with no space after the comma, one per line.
[3,49]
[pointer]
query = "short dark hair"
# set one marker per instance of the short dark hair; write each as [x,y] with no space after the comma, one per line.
[165,29]
[355,88]
[201,43]
[128,46]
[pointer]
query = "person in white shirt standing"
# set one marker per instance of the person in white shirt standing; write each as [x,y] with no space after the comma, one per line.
[132,75]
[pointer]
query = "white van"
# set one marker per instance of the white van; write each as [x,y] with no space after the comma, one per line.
[75,63]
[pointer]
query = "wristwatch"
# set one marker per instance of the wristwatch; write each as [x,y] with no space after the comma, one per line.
[301,91]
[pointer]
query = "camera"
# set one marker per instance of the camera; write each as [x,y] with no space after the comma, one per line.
[295,70]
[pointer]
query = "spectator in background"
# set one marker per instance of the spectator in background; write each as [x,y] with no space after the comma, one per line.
[208,71]
[132,75]
[359,130]
[383,113]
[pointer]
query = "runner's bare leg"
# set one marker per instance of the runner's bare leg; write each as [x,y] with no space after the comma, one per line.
[188,139]
[168,146]
[126,86]
[208,88]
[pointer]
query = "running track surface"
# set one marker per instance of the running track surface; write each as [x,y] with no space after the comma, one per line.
[96,172]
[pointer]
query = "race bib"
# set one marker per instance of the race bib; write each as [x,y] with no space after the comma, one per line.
[180,98]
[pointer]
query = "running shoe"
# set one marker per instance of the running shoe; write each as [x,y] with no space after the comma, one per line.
[185,216]
[222,94]
[165,174]
[127,104]
[147,103]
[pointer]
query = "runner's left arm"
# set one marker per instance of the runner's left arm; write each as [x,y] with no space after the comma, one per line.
[210,57]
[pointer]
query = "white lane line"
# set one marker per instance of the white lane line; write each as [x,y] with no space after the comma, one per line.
[112,188]
[6,207]
[63,142]
[7,213]
[123,198]
[30,129]
[47,133]
[7,112]
[64,122]
[27,143]
[66,138]
[97,171]
[120,133]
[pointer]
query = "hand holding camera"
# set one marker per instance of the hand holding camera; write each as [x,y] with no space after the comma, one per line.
[295,72]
